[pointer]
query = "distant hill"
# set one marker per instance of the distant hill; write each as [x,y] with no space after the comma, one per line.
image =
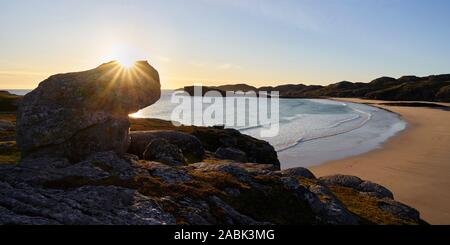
[221,89]
[408,88]
[8,101]
[191,89]
[237,87]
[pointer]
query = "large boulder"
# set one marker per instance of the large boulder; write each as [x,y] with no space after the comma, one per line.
[357,184]
[231,154]
[298,172]
[77,114]
[161,150]
[256,151]
[190,146]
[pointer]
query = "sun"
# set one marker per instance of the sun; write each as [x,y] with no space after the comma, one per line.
[125,55]
[127,62]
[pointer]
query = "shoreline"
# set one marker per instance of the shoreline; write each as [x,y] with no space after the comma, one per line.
[414,164]
[374,127]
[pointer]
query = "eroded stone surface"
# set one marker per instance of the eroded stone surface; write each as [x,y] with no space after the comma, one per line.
[76,114]
[106,188]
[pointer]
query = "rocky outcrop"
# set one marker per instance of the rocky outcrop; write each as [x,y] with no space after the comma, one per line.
[357,184]
[358,194]
[231,154]
[256,151]
[298,172]
[109,189]
[211,138]
[80,113]
[190,146]
[161,150]
[89,205]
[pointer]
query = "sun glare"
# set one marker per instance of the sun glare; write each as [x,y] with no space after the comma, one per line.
[125,55]
[127,62]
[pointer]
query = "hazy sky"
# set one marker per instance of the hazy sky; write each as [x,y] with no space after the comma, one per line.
[226,41]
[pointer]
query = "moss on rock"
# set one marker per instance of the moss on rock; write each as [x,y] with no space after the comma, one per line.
[368,207]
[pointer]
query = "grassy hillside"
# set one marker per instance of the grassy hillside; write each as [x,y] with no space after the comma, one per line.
[409,88]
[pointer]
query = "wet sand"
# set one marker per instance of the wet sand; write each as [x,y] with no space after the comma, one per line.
[414,165]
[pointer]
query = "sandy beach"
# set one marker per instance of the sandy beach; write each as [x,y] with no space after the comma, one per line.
[415,164]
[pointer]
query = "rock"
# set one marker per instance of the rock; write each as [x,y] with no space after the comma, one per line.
[234,217]
[234,168]
[231,154]
[190,146]
[161,150]
[328,208]
[375,189]
[358,184]
[48,171]
[400,210]
[331,209]
[211,139]
[298,172]
[107,188]
[89,205]
[342,180]
[256,151]
[166,173]
[77,114]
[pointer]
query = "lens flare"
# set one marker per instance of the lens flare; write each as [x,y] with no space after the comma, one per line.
[127,62]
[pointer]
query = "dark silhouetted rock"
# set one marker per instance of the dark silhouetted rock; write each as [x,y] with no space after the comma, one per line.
[76,114]
[343,180]
[161,150]
[88,205]
[375,189]
[231,154]
[190,146]
[400,210]
[357,184]
[211,138]
[298,172]
[256,151]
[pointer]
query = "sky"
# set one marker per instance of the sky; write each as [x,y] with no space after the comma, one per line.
[265,42]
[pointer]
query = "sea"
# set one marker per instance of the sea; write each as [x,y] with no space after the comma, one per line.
[311,131]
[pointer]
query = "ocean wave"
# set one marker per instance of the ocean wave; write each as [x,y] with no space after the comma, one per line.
[306,139]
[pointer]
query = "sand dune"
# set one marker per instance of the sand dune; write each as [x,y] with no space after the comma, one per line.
[415,164]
